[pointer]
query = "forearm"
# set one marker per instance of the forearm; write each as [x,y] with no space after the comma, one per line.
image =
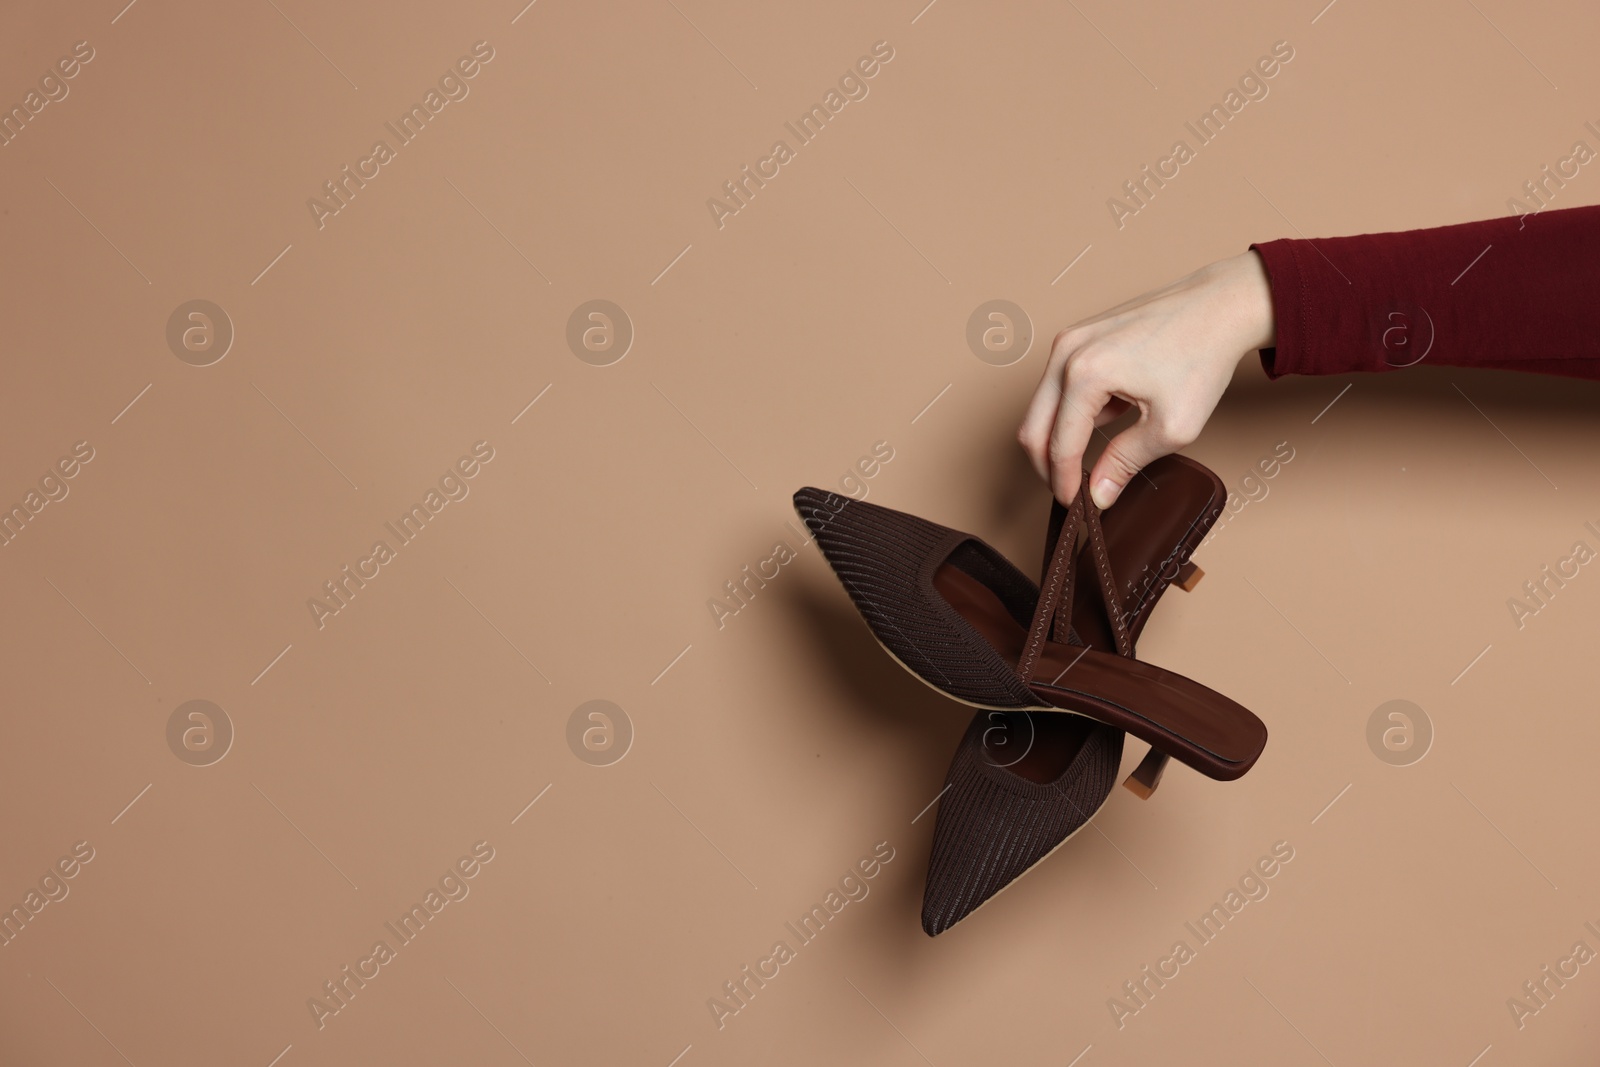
[1509,293]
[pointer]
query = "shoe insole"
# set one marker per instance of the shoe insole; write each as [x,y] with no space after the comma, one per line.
[1038,747]
[1158,511]
[1048,743]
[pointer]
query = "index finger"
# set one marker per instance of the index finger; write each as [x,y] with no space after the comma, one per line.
[1081,401]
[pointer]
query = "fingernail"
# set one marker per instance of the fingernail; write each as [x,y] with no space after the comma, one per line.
[1104,493]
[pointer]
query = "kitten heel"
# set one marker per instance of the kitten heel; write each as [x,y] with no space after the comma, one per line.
[1145,777]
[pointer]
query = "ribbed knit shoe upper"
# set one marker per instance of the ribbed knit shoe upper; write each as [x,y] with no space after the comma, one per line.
[993,824]
[886,560]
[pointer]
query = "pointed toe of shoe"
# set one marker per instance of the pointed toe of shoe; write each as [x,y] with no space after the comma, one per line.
[841,525]
[817,506]
[886,559]
[994,825]
[808,496]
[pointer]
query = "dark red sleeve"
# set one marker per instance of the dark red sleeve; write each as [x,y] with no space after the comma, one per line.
[1518,293]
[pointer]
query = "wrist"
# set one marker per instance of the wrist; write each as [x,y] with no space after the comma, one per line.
[1251,292]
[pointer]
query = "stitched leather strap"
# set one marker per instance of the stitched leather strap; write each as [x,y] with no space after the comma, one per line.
[1053,613]
[1108,581]
[1062,631]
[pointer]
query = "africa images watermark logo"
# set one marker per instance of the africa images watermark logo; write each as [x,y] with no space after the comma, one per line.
[739,591]
[1542,190]
[1540,590]
[806,128]
[52,889]
[53,488]
[340,591]
[1541,989]
[1252,887]
[452,86]
[852,888]
[1205,129]
[453,886]
[53,89]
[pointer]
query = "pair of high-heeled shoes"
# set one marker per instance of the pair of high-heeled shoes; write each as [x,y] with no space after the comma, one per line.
[1051,666]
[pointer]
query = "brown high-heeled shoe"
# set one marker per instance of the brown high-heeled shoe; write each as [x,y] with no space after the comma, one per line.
[952,610]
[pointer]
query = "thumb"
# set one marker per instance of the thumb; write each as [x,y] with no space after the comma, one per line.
[1124,457]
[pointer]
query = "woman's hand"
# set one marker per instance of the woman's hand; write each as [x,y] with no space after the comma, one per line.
[1170,353]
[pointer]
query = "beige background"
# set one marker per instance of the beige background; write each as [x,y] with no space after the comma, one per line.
[770,754]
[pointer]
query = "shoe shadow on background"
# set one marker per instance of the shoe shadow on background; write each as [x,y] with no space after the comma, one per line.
[884,703]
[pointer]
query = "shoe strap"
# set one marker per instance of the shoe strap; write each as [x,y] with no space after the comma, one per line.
[1052,615]
[1108,581]
[1058,518]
